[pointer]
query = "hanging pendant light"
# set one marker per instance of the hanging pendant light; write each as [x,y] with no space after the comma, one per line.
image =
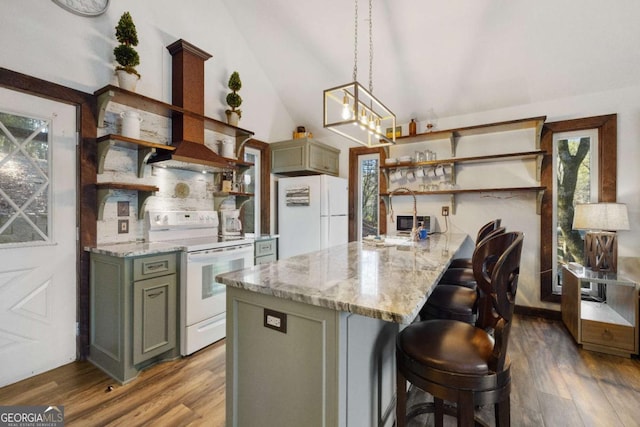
[352,111]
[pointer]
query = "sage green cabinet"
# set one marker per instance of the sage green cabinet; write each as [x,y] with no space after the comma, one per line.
[133,312]
[265,250]
[304,156]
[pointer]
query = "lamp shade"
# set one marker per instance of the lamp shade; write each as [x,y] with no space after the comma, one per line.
[601,216]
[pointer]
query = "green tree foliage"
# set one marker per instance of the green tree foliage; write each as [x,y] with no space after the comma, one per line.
[573,182]
[126,56]
[233,99]
[370,179]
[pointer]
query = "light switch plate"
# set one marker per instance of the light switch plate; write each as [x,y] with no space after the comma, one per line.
[123,208]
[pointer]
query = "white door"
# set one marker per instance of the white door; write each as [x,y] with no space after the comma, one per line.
[37,235]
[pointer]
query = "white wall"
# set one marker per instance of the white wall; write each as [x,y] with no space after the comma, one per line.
[41,39]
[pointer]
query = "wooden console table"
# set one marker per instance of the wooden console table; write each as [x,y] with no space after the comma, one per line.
[610,326]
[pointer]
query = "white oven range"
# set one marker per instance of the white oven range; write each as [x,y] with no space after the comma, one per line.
[202,299]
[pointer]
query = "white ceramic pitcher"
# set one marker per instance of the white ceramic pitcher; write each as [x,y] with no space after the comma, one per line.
[228,149]
[131,124]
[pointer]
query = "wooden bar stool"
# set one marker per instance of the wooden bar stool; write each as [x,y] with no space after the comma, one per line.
[460,363]
[458,301]
[483,232]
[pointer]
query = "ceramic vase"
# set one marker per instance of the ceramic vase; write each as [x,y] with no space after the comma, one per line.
[127,81]
[232,118]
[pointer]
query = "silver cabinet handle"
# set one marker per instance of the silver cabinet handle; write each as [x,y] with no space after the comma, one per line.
[156,266]
[157,294]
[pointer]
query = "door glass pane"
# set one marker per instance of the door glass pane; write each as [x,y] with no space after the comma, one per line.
[24,179]
[250,182]
[369,191]
[574,182]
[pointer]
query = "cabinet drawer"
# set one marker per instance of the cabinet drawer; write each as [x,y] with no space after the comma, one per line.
[608,334]
[265,259]
[265,247]
[154,266]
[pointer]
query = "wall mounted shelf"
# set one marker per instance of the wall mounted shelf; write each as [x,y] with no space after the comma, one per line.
[454,134]
[131,99]
[453,192]
[537,154]
[145,149]
[106,190]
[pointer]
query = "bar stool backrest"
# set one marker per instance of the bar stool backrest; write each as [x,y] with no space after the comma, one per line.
[498,295]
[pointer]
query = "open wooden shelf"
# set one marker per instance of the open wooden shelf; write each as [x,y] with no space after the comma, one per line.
[146,149]
[453,192]
[106,190]
[118,95]
[474,159]
[453,134]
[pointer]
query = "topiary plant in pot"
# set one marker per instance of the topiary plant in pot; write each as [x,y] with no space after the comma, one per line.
[126,56]
[234,100]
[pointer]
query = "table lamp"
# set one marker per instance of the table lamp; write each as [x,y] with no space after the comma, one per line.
[601,220]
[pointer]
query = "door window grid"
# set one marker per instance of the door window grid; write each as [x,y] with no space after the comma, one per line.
[24,179]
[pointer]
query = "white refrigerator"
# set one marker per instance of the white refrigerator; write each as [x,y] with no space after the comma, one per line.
[312,214]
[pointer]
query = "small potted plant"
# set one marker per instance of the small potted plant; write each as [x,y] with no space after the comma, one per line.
[126,56]
[234,100]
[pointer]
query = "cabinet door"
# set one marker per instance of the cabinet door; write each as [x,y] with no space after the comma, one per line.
[323,160]
[154,317]
[288,158]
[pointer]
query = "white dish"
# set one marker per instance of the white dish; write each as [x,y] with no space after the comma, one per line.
[390,161]
[406,159]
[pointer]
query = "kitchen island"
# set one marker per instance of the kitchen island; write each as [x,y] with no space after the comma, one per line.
[311,339]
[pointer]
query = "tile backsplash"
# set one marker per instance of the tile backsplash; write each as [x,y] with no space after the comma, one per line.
[178,189]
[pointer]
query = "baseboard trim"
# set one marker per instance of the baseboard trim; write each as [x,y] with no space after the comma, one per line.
[538,312]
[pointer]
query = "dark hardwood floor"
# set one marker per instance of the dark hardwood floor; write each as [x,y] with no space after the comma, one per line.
[555,383]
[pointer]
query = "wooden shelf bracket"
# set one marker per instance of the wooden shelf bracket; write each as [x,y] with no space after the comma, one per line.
[103,100]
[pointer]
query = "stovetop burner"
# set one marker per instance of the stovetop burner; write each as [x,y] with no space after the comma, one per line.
[196,230]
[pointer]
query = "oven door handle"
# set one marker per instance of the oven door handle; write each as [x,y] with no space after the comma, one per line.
[197,255]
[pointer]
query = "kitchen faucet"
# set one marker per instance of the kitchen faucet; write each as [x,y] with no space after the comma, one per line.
[414,228]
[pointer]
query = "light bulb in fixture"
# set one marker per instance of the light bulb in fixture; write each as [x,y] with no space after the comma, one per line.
[372,122]
[378,127]
[346,111]
[363,117]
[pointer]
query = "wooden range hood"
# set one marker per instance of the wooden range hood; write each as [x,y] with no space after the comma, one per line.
[187,128]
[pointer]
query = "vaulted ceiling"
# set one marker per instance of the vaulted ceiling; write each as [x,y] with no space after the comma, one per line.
[455,56]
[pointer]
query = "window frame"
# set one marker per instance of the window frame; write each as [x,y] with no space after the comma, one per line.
[354,154]
[607,128]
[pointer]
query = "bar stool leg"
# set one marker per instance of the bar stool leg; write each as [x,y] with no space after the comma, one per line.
[466,409]
[401,399]
[503,413]
[438,412]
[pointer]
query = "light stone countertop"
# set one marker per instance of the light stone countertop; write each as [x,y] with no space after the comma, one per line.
[389,282]
[130,249]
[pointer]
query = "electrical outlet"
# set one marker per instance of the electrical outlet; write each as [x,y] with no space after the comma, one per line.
[445,211]
[123,226]
[275,320]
